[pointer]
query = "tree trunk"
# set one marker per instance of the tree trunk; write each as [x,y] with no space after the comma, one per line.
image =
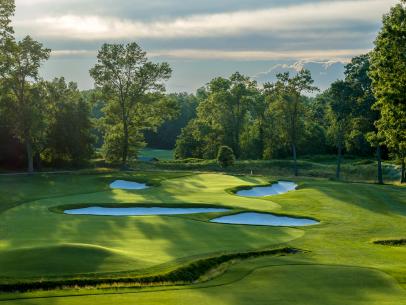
[379,159]
[261,142]
[125,147]
[294,160]
[403,173]
[30,156]
[38,162]
[339,157]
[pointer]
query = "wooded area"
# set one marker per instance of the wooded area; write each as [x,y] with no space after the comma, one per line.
[53,122]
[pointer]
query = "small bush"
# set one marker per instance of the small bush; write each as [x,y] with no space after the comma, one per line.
[225,157]
[391,242]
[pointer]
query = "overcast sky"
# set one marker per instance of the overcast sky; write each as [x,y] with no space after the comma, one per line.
[205,39]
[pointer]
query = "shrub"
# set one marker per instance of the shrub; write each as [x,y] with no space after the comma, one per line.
[225,156]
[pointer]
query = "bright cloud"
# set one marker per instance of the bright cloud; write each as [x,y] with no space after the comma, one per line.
[67,53]
[324,56]
[308,55]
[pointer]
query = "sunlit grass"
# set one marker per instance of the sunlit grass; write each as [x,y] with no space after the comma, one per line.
[342,265]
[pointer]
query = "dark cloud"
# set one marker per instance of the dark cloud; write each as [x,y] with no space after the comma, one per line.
[149,10]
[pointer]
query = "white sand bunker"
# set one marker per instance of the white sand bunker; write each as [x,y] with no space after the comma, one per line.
[128,185]
[261,219]
[141,211]
[281,187]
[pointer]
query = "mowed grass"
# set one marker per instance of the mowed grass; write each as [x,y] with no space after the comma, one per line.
[160,154]
[342,265]
[126,243]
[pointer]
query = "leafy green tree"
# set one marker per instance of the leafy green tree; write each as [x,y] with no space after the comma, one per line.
[133,89]
[166,135]
[225,156]
[11,151]
[339,114]
[69,135]
[376,141]
[7,8]
[252,140]
[364,133]
[286,98]
[226,107]
[94,98]
[19,65]
[388,73]
[187,144]
[221,117]
[364,117]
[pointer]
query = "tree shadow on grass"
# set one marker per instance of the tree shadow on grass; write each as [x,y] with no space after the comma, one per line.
[170,239]
[377,199]
[146,241]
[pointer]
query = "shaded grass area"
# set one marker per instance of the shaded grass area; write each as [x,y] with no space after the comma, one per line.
[160,154]
[141,245]
[15,190]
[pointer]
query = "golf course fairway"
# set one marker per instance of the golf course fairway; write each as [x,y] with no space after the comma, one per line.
[338,261]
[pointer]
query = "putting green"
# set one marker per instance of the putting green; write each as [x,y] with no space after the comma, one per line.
[343,265]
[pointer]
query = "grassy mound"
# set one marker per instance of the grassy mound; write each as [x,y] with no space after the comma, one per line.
[185,274]
[59,260]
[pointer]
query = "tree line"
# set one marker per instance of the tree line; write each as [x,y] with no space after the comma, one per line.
[362,114]
[54,122]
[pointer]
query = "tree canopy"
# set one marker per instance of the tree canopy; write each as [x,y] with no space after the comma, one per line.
[285,97]
[388,73]
[133,90]
[7,8]
[19,68]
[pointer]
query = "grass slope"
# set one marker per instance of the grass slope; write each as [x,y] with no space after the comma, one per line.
[344,266]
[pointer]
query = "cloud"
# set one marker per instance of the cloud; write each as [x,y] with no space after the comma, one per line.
[324,72]
[73,53]
[205,39]
[253,55]
[258,55]
[306,56]
[31,2]
[291,19]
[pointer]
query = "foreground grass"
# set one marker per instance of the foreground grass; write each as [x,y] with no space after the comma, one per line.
[344,266]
